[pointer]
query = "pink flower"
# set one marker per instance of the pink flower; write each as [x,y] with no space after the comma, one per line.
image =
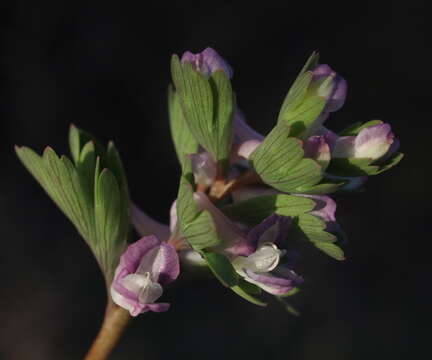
[144,268]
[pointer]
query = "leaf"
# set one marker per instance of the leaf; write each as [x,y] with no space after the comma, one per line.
[196,226]
[241,290]
[85,166]
[279,162]
[264,206]
[304,116]
[222,268]
[114,163]
[201,232]
[331,249]
[63,185]
[355,128]
[388,164]
[107,204]
[313,228]
[296,95]
[33,163]
[299,109]
[320,189]
[208,105]
[184,142]
[351,167]
[196,98]
[78,138]
[223,113]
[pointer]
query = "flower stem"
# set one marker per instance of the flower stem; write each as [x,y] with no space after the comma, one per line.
[114,324]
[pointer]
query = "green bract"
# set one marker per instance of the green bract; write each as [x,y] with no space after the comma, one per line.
[184,142]
[280,163]
[302,107]
[91,191]
[195,225]
[208,105]
[305,226]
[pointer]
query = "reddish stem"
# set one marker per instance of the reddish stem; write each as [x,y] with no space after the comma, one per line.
[114,324]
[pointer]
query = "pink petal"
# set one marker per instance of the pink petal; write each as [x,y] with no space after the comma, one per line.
[145,225]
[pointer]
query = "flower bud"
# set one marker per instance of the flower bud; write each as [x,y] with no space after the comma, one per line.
[372,142]
[207,62]
[317,148]
[330,85]
[204,168]
[144,268]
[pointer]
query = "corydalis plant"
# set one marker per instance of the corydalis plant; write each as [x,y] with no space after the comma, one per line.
[245,200]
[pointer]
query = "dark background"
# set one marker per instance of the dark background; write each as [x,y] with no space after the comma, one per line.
[106,68]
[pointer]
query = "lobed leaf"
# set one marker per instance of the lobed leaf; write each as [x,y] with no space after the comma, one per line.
[255,210]
[279,162]
[222,268]
[207,104]
[184,141]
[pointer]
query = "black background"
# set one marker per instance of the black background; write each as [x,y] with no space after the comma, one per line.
[106,68]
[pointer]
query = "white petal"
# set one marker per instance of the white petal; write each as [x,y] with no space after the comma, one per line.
[265,259]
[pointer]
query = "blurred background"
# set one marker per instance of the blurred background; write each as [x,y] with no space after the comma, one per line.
[105,68]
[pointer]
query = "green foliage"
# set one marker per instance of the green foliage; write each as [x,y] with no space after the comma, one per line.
[247,291]
[311,228]
[255,210]
[208,105]
[280,163]
[301,106]
[320,189]
[184,142]
[195,225]
[94,199]
[362,166]
[221,268]
[305,227]
[355,128]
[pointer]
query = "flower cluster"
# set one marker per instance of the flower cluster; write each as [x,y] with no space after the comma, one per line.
[245,199]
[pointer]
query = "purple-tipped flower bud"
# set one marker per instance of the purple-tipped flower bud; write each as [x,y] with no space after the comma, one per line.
[144,268]
[373,142]
[316,147]
[204,168]
[329,85]
[207,62]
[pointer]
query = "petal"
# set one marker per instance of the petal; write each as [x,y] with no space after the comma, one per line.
[234,240]
[316,147]
[337,99]
[147,290]
[265,259]
[145,225]
[161,263]
[173,217]
[374,141]
[216,62]
[242,131]
[204,168]
[270,283]
[246,148]
[158,307]
[322,70]
[344,147]
[273,229]
[132,257]
[192,257]
[329,136]
[325,207]
[207,62]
